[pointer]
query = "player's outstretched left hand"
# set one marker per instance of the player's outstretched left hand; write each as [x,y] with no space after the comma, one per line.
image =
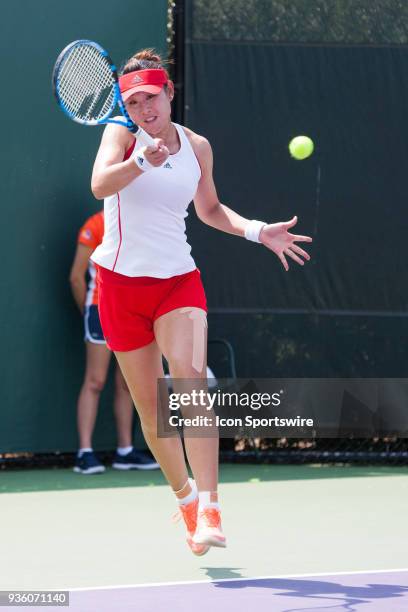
[277,238]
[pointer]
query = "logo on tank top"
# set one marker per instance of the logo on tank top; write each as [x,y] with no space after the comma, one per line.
[167,165]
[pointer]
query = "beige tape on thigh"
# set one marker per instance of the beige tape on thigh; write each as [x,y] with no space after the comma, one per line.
[199,318]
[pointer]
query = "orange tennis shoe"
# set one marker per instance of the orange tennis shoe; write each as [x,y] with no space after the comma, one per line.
[209,531]
[189,514]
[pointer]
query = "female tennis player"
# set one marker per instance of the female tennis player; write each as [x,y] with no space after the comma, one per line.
[152,301]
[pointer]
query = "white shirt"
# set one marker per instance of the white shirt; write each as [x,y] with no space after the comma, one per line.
[145,230]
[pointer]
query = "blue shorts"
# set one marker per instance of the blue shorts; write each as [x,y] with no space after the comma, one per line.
[92,324]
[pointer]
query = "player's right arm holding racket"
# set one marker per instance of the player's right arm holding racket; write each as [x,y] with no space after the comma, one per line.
[147,100]
[111,173]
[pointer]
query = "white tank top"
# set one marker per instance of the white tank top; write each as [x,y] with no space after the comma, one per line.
[145,230]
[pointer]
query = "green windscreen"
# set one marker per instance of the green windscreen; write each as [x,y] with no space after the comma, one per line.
[250,99]
[45,167]
[301,21]
[259,73]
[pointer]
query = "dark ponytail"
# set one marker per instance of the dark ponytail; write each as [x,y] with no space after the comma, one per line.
[144,60]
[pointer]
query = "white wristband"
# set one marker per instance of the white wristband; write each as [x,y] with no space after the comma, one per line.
[253,229]
[141,162]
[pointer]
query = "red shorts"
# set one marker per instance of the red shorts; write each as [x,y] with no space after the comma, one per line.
[128,306]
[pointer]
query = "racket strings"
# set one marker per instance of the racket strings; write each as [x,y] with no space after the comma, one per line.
[86,84]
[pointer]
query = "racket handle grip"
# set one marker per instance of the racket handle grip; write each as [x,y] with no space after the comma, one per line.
[144,138]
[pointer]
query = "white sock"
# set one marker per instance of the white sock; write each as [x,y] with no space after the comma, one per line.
[183,501]
[124,450]
[204,500]
[84,450]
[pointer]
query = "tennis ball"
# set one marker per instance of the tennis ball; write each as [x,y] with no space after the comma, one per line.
[301,147]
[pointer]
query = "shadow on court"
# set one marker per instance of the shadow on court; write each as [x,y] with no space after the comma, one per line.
[347,596]
[379,592]
[223,573]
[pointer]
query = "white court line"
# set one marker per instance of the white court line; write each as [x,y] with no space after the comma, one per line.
[276,577]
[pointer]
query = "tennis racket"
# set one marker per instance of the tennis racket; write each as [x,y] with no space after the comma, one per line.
[86,85]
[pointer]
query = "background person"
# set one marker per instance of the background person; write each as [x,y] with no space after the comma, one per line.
[97,366]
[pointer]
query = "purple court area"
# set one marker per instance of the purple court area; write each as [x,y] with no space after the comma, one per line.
[378,591]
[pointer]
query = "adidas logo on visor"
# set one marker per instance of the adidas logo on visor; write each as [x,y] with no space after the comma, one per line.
[137,79]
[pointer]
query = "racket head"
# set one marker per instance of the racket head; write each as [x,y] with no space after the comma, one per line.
[85,83]
[86,86]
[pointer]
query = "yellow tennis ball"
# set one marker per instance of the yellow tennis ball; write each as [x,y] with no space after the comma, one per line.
[301,147]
